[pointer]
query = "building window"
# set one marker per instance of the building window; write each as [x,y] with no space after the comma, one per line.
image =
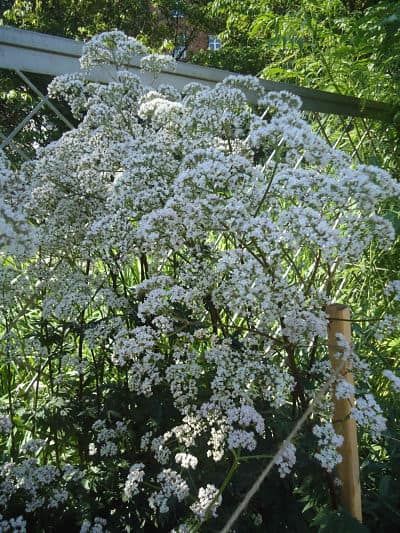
[214,43]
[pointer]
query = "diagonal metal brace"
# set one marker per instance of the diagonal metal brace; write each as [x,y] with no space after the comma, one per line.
[45,98]
[21,125]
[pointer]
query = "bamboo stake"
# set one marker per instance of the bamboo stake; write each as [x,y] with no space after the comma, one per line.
[348,470]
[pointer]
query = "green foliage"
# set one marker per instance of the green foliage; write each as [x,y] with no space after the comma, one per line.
[80,18]
[152,22]
[333,521]
[346,47]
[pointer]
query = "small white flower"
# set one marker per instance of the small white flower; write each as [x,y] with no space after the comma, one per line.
[393,289]
[286,459]
[157,62]
[395,380]
[133,481]
[172,484]
[92,448]
[5,424]
[208,501]
[186,460]
[12,525]
[344,390]
[328,442]
[368,414]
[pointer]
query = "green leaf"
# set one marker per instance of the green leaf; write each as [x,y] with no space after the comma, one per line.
[334,521]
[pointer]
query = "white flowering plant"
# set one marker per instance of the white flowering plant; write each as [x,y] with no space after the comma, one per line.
[165,271]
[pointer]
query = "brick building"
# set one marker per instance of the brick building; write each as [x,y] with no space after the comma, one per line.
[188,40]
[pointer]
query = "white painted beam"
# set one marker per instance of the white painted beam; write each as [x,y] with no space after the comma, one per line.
[40,53]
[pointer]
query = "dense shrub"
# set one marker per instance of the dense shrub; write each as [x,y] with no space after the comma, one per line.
[165,272]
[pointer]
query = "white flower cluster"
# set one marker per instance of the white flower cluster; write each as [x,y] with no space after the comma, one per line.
[393,289]
[257,519]
[328,442]
[15,233]
[42,486]
[112,47]
[286,459]
[98,526]
[208,501]
[32,446]
[239,438]
[157,62]
[244,416]
[172,485]
[160,449]
[395,380]
[106,438]
[246,83]
[322,369]
[12,525]
[346,353]
[368,414]
[389,324]
[186,460]
[344,389]
[5,424]
[133,481]
[345,350]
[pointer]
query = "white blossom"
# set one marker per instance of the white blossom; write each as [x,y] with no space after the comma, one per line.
[176,247]
[113,47]
[157,62]
[395,380]
[133,481]
[5,424]
[208,501]
[97,526]
[344,389]
[186,460]
[286,459]
[368,414]
[328,442]
[172,484]
[393,289]
[12,525]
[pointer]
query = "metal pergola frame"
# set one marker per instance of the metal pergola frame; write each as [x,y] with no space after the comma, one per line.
[345,122]
[32,52]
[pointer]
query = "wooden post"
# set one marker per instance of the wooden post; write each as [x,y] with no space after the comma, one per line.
[349,469]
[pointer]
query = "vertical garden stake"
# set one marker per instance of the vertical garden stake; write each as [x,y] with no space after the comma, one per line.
[348,469]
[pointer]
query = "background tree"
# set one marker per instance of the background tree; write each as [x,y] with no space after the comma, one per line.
[81,19]
[347,47]
[152,22]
